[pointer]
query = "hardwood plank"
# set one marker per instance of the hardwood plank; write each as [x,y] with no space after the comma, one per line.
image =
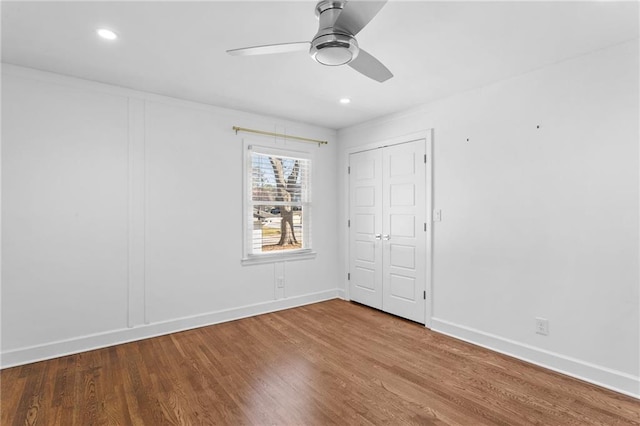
[329,363]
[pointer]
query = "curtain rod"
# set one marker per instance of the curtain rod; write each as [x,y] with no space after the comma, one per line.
[282,135]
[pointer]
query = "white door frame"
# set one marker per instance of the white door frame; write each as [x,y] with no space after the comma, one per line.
[427,135]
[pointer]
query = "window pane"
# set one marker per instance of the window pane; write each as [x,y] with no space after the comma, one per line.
[276,228]
[278,178]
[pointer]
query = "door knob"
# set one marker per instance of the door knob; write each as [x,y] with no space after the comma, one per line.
[378,236]
[386,237]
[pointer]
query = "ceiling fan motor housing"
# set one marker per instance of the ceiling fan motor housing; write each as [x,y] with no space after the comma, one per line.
[332,46]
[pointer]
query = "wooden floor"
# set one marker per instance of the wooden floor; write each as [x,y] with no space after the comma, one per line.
[329,363]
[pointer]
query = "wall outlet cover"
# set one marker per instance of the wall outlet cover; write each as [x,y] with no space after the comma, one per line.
[542,326]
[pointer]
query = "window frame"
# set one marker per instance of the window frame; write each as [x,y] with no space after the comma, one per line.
[290,151]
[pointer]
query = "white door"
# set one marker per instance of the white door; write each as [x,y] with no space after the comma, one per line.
[388,229]
[365,230]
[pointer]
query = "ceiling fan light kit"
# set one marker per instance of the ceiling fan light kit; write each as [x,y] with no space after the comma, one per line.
[335,44]
[334,49]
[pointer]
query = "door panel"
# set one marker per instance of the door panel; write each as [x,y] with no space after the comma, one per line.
[365,189]
[403,216]
[365,196]
[402,256]
[402,225]
[402,287]
[387,238]
[402,195]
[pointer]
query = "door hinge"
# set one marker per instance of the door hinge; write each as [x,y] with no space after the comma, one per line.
[425,159]
[348,276]
[349,170]
[425,227]
[349,223]
[424,295]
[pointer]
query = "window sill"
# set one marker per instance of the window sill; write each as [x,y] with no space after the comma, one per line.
[279,257]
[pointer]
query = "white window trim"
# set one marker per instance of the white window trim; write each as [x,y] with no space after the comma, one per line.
[273,257]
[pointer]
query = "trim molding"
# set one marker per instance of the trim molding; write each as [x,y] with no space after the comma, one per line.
[598,375]
[110,338]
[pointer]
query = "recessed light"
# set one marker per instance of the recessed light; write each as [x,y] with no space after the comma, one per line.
[106,34]
[345,101]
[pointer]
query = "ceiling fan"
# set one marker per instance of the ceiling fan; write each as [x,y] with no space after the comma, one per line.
[335,43]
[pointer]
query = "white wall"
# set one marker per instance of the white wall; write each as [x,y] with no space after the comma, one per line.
[122,217]
[537,222]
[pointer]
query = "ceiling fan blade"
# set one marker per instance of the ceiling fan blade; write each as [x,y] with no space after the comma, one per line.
[356,14]
[270,49]
[366,64]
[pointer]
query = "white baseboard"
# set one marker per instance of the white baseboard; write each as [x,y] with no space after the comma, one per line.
[96,341]
[607,378]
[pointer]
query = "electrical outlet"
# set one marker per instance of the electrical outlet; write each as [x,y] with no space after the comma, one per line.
[280,282]
[542,326]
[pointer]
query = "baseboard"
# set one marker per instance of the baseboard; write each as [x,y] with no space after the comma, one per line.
[605,377]
[341,294]
[96,341]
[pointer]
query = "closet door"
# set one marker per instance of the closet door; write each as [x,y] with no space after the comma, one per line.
[404,230]
[365,231]
[388,234]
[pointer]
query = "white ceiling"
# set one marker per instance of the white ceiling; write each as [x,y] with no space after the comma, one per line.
[434,49]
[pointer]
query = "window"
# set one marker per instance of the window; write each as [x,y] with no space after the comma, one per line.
[278,204]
